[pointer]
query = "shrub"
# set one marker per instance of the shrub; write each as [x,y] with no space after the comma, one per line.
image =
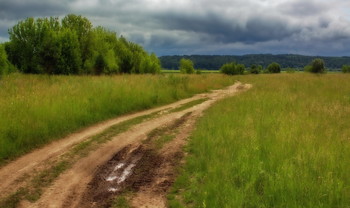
[274,68]
[3,60]
[255,69]
[232,68]
[186,66]
[240,68]
[316,66]
[346,69]
[228,68]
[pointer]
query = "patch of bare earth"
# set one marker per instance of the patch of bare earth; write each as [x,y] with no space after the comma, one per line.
[130,161]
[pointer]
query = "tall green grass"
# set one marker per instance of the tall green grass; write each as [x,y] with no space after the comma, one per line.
[35,109]
[284,143]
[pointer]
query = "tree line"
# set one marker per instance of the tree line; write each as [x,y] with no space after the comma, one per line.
[72,46]
[316,66]
[214,62]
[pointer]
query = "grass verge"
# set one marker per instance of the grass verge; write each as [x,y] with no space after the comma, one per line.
[284,143]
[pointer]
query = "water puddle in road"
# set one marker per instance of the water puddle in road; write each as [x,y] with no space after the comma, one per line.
[120,174]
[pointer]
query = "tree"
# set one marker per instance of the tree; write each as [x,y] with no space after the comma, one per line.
[346,68]
[186,66]
[240,68]
[83,27]
[3,60]
[70,59]
[232,68]
[274,68]
[316,66]
[73,46]
[255,69]
[100,65]
[49,52]
[228,68]
[23,44]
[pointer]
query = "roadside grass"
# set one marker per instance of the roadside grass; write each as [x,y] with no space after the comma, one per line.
[36,109]
[284,143]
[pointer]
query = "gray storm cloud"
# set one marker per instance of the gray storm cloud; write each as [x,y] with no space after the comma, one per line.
[207,27]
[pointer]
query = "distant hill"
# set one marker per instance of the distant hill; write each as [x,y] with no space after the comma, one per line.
[214,62]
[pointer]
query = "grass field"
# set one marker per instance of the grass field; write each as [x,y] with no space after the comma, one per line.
[36,109]
[284,143]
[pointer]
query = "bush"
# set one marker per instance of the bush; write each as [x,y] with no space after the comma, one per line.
[256,69]
[240,68]
[3,60]
[186,66]
[346,69]
[274,68]
[316,66]
[232,69]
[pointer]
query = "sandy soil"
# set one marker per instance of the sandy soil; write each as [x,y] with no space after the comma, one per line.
[71,188]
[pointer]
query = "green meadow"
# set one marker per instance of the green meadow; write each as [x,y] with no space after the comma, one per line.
[283,143]
[36,109]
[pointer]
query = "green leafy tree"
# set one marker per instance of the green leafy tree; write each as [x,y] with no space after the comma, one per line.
[73,46]
[83,27]
[316,66]
[346,68]
[274,68]
[100,65]
[186,66]
[70,58]
[49,53]
[255,69]
[24,45]
[229,68]
[240,68]
[3,60]
[111,62]
[232,68]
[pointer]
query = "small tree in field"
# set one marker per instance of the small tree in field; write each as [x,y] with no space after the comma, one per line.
[316,66]
[274,68]
[228,69]
[232,68]
[240,68]
[346,69]
[186,66]
[255,69]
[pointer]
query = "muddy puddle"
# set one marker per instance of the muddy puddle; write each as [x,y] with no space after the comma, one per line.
[136,167]
[130,169]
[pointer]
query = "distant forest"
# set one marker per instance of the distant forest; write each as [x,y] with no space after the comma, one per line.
[214,62]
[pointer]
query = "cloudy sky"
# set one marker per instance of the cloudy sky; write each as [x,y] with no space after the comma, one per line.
[177,27]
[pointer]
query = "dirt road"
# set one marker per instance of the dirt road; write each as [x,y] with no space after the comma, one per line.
[69,188]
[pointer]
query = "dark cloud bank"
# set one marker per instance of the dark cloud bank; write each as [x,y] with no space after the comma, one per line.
[313,27]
